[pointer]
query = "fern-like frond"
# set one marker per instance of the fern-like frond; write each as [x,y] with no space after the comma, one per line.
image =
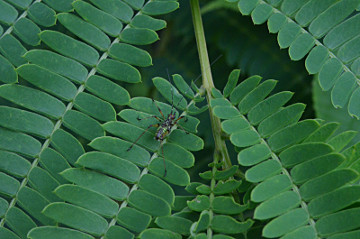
[325,31]
[211,210]
[118,191]
[69,84]
[302,181]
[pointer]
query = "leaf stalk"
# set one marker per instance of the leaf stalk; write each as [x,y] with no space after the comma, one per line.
[221,152]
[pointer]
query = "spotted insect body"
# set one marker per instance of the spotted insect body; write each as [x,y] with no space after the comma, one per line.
[165,128]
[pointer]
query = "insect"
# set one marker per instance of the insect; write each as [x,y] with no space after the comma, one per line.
[164,126]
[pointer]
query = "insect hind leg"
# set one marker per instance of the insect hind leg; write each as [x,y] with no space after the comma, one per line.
[162,151]
[152,116]
[132,145]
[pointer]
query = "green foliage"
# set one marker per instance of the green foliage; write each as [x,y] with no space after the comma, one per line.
[75,99]
[300,176]
[324,31]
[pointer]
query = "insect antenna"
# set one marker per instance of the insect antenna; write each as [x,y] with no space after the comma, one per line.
[212,63]
[172,91]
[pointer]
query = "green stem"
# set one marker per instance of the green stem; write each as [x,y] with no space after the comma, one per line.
[220,146]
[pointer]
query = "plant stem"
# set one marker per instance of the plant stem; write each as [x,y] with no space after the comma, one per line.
[207,82]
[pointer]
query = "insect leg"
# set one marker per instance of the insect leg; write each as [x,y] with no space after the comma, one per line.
[172,92]
[153,116]
[181,117]
[182,129]
[132,145]
[162,150]
[158,108]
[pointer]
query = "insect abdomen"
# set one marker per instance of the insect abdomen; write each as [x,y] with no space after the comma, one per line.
[161,133]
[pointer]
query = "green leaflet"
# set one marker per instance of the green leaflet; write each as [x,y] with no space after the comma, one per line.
[118,232]
[88,199]
[8,71]
[32,99]
[119,148]
[67,214]
[119,71]
[95,107]
[48,81]
[159,8]
[20,222]
[159,233]
[286,223]
[226,224]
[157,187]
[54,163]
[12,49]
[21,120]
[8,13]
[58,64]
[70,47]
[327,183]
[254,155]
[10,186]
[130,54]
[227,205]
[27,145]
[138,36]
[63,7]
[14,164]
[175,224]
[243,88]
[83,125]
[116,8]
[67,145]
[304,152]
[101,19]
[145,21]
[133,219]
[335,222]
[111,165]
[107,90]
[42,14]
[341,92]
[309,169]
[262,110]
[27,31]
[33,202]
[342,197]
[57,233]
[175,174]
[261,13]
[275,22]
[44,183]
[97,182]
[270,187]
[158,207]
[183,87]
[277,205]
[170,93]
[84,30]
